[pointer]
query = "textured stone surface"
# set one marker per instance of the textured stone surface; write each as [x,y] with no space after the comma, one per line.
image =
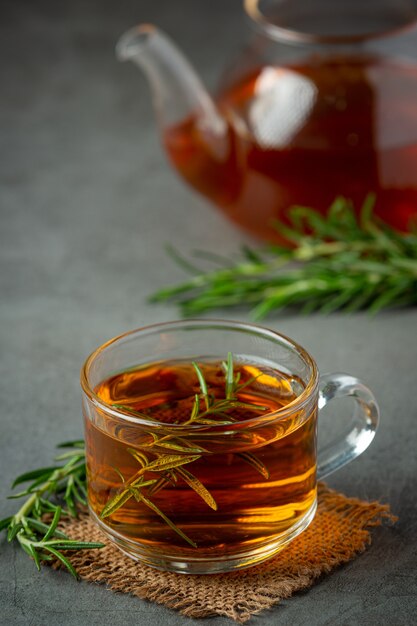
[87,203]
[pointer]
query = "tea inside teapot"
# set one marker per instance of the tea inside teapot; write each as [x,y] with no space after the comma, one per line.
[304,134]
[306,116]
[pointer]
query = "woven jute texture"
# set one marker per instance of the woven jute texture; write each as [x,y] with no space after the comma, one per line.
[340,531]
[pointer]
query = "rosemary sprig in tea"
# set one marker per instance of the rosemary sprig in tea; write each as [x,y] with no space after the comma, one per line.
[42,541]
[168,467]
[338,262]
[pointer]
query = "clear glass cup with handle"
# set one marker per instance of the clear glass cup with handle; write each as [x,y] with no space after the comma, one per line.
[184,482]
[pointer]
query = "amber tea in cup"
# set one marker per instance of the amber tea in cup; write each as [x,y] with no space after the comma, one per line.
[201,442]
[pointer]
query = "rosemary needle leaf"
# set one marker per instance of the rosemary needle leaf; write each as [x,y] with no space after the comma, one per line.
[64,561]
[255,462]
[168,461]
[42,527]
[170,523]
[72,545]
[196,407]
[339,262]
[119,473]
[4,523]
[43,472]
[34,554]
[195,484]
[51,530]
[115,503]
[76,443]
[202,383]
[171,445]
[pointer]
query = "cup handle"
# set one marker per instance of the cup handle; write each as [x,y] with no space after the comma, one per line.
[361,429]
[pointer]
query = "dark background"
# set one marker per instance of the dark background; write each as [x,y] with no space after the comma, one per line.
[87,203]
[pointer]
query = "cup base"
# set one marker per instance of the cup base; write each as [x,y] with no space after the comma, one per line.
[206,565]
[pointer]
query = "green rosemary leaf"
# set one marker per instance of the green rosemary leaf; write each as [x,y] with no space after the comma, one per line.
[131,486]
[28,531]
[79,497]
[68,455]
[358,300]
[27,547]
[71,545]
[202,383]
[64,561]
[251,255]
[337,301]
[306,219]
[54,523]
[236,404]
[386,298]
[171,445]
[143,483]
[47,505]
[181,261]
[14,529]
[291,234]
[213,257]
[196,408]
[4,523]
[166,519]
[33,553]
[81,485]
[21,494]
[247,383]
[195,484]
[76,443]
[119,473]
[255,462]
[44,556]
[115,503]
[44,528]
[44,473]
[140,457]
[219,407]
[69,499]
[170,461]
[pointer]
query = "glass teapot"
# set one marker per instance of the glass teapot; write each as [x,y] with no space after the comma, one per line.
[322,103]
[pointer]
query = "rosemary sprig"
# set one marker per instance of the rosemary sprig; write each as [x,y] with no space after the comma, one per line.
[42,541]
[338,262]
[169,467]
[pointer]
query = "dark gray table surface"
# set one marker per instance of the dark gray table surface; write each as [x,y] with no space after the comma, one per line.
[87,203]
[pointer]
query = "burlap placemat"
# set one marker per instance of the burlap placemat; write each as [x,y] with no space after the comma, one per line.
[337,534]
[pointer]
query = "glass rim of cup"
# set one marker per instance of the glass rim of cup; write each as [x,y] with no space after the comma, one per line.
[301,400]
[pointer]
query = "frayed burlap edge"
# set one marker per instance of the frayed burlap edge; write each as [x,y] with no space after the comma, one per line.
[340,531]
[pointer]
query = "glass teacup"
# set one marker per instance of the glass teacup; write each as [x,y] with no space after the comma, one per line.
[201,442]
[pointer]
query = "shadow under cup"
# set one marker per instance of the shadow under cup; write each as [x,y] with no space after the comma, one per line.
[207,497]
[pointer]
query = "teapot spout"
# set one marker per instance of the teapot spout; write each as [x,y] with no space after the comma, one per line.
[177,91]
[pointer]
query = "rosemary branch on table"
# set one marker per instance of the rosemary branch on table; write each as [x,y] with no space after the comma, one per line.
[338,261]
[47,486]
